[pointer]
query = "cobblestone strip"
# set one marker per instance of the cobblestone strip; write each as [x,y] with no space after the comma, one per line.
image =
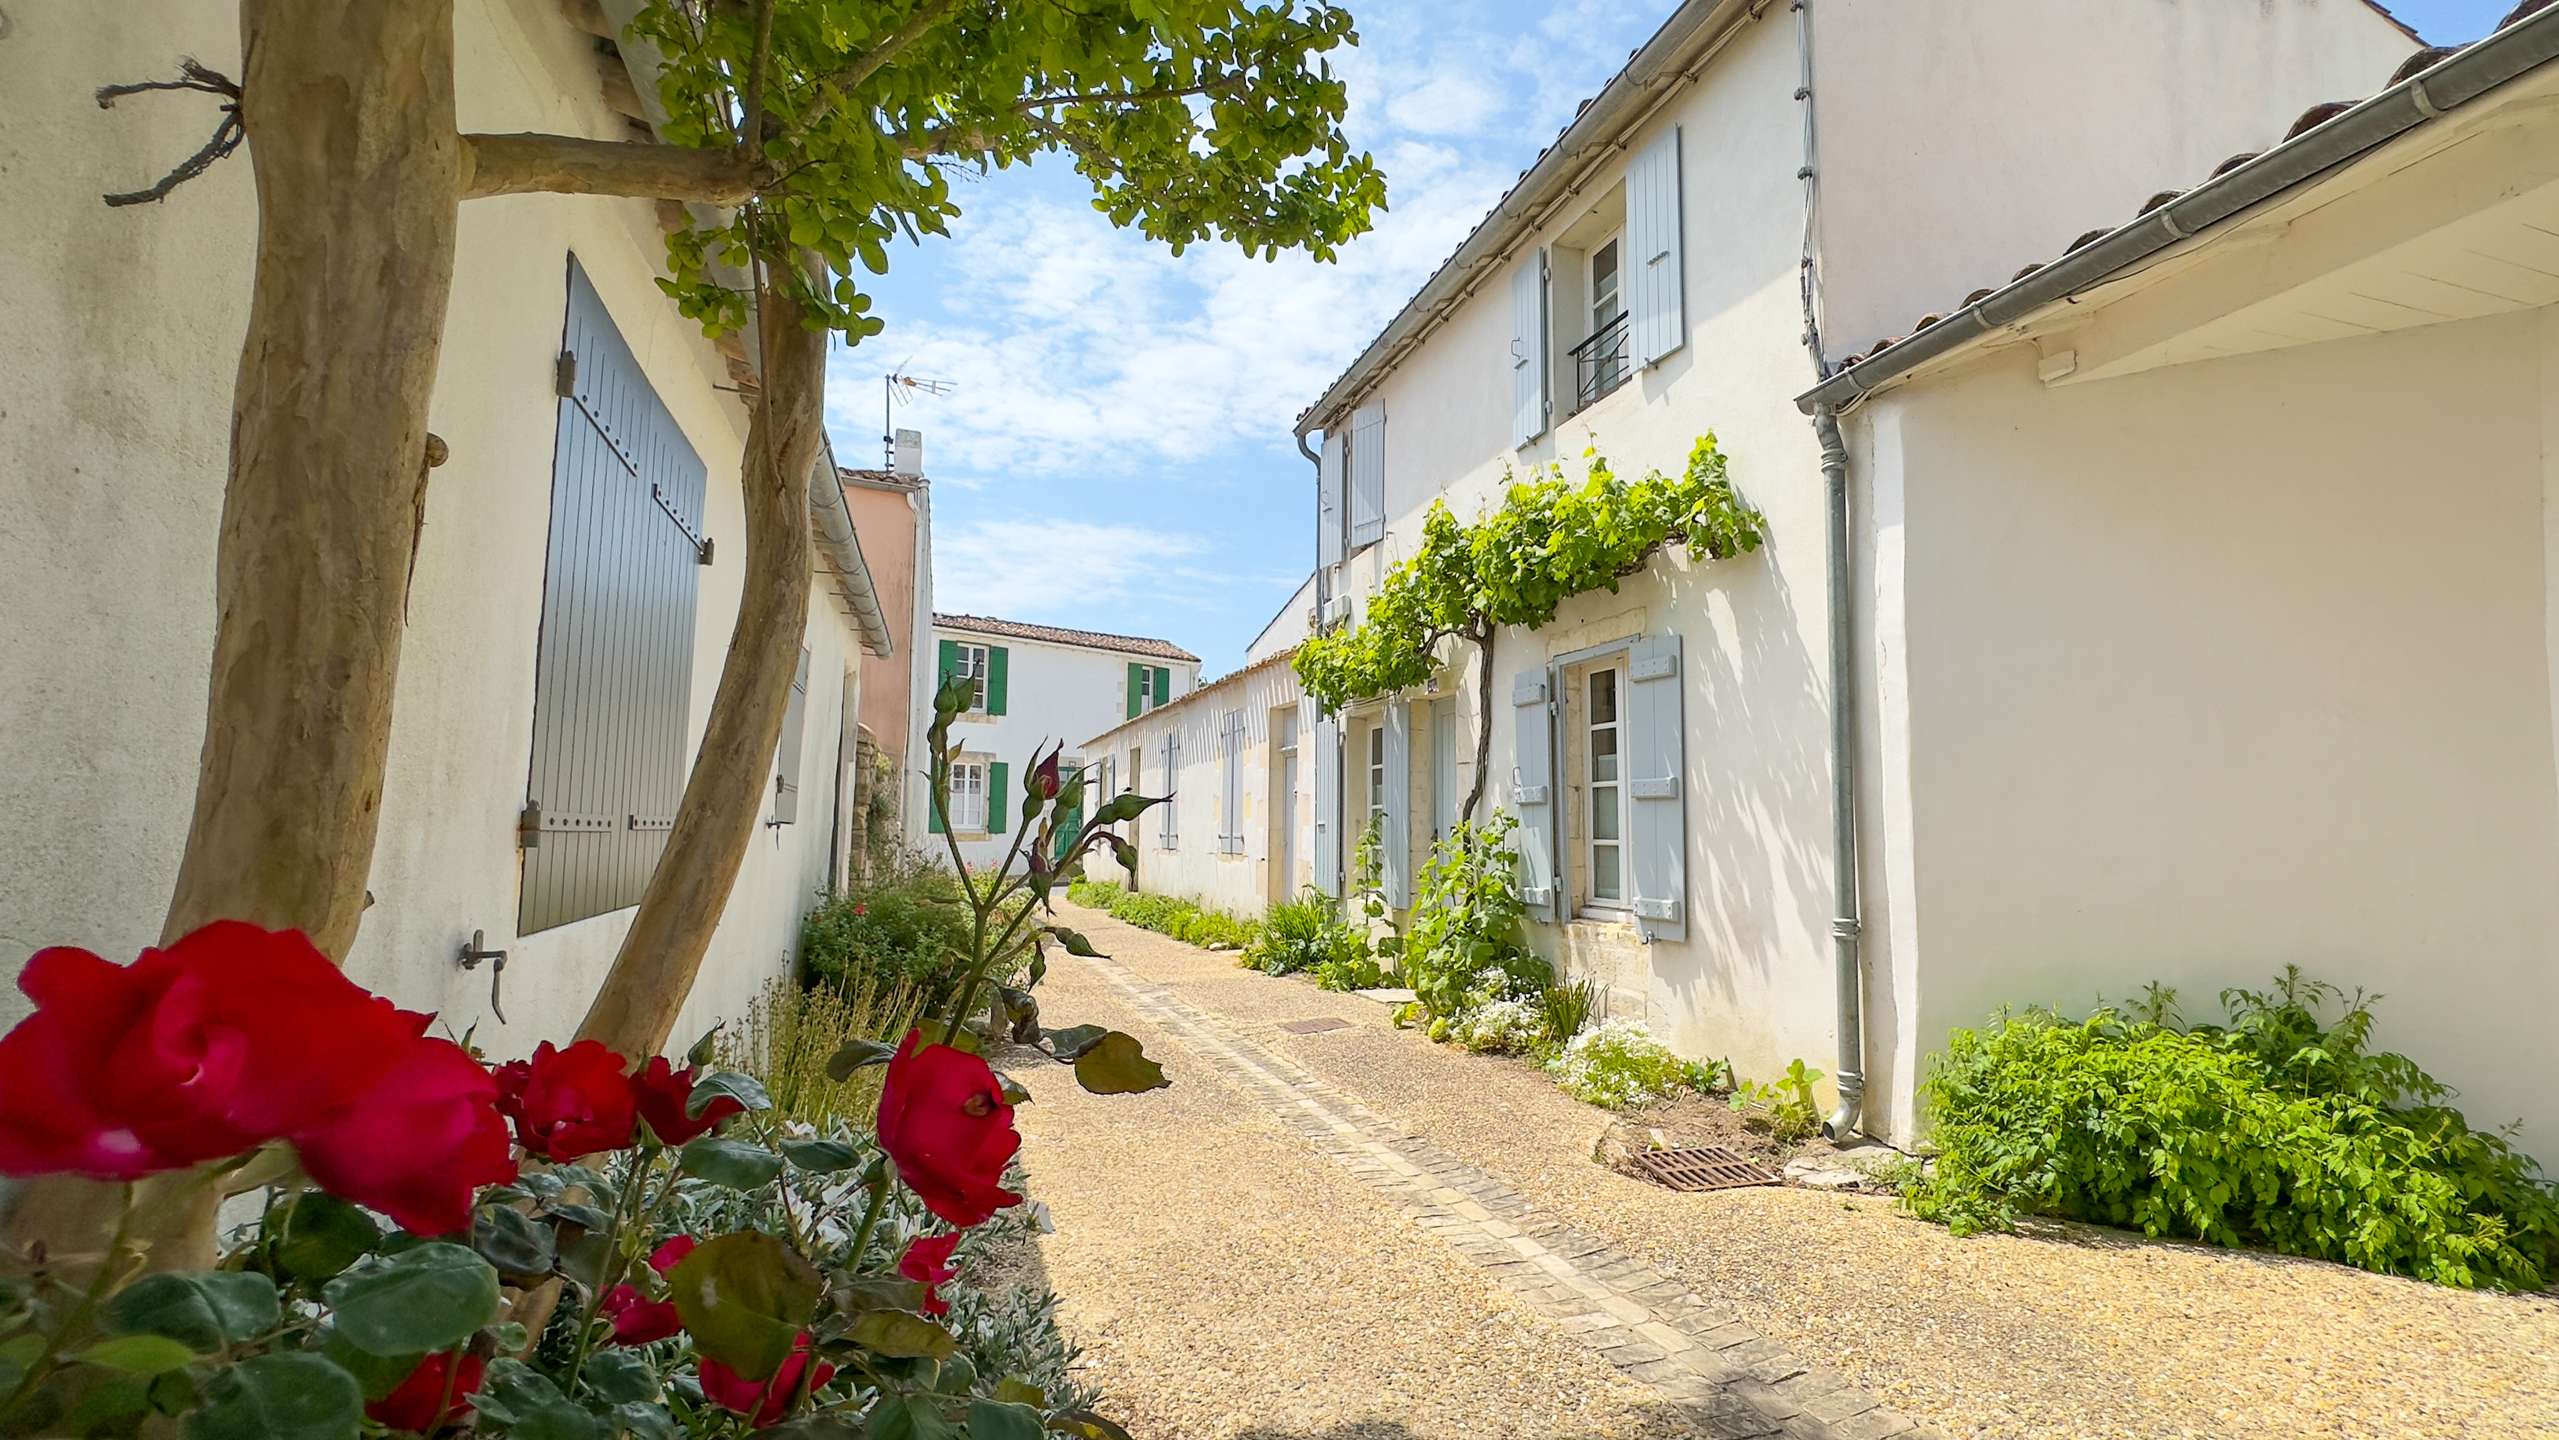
[1731,1382]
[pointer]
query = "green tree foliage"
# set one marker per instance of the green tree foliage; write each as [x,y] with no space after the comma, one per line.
[1191,119]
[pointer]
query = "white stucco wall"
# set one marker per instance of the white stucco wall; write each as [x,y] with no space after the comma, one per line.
[116,374]
[1963,139]
[2238,664]
[1197,866]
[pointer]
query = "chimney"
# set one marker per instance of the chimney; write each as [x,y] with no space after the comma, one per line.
[906,461]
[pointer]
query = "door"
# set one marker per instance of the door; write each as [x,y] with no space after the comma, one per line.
[1284,804]
[1444,795]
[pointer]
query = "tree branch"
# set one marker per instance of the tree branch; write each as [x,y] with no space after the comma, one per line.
[226,136]
[753,130]
[566,165]
[850,78]
[1094,97]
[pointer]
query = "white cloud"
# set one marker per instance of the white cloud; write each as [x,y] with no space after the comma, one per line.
[1449,102]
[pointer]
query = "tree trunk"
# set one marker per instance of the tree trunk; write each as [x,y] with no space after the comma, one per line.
[731,784]
[1483,639]
[348,105]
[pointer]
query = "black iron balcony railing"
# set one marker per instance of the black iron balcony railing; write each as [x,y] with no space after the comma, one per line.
[1599,363]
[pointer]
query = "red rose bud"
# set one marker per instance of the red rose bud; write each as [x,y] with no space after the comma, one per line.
[636,1319]
[432,1396]
[671,1254]
[927,1262]
[663,1094]
[418,1143]
[762,1402]
[1044,780]
[567,1104]
[945,1123]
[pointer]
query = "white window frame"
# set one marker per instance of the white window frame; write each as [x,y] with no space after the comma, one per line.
[1376,764]
[1594,319]
[968,805]
[1590,730]
[974,662]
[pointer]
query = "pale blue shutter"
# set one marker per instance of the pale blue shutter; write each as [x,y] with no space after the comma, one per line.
[1328,804]
[1396,844]
[1230,796]
[1171,834]
[1528,349]
[1654,292]
[1368,475]
[1656,770]
[1533,793]
[1330,477]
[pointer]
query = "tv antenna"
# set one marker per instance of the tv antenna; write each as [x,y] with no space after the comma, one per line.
[894,387]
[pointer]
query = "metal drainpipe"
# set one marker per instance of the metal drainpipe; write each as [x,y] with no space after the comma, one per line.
[1846,926]
[1341,772]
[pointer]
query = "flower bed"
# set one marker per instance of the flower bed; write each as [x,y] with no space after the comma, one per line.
[1167,915]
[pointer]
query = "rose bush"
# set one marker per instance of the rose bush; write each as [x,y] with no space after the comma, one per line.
[574,1249]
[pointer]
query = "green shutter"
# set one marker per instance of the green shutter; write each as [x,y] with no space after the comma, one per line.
[932,816]
[995,773]
[995,684]
[1163,685]
[950,660]
[1136,689]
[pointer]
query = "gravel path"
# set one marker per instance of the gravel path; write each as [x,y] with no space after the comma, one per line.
[1230,1281]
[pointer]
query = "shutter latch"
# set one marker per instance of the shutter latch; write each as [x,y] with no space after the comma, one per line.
[564,375]
[528,826]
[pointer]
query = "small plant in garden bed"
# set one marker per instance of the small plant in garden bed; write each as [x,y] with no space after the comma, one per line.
[1306,933]
[2281,1130]
[1185,921]
[907,926]
[1619,1065]
[1785,1106]
[1466,946]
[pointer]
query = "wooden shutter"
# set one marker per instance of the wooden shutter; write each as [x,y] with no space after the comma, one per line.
[1655,296]
[1368,475]
[786,758]
[613,669]
[1168,827]
[950,661]
[1533,792]
[1330,502]
[995,669]
[1163,686]
[1396,844]
[1656,767]
[1137,682]
[1230,799]
[997,818]
[1328,804]
[1528,349]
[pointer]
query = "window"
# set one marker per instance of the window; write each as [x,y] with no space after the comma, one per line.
[1377,774]
[971,663]
[1150,687]
[1599,362]
[1605,824]
[1230,809]
[968,796]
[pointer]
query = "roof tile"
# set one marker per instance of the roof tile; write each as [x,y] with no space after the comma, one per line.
[1061,635]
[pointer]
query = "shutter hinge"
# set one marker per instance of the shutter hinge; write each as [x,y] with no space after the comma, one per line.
[528,826]
[564,375]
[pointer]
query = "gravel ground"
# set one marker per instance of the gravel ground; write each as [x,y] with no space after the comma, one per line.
[2074,1331]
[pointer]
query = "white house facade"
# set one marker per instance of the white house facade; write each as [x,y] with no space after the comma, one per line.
[1036,686]
[1667,747]
[579,565]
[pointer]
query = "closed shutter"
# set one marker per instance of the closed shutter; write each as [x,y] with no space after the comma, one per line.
[1656,769]
[998,821]
[950,661]
[1169,831]
[1528,349]
[1396,844]
[613,669]
[1368,475]
[995,668]
[786,759]
[1163,685]
[1137,683]
[1654,289]
[1330,478]
[1533,792]
[1230,804]
[1328,804]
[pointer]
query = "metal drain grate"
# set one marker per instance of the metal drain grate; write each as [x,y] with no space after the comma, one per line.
[1315,1026]
[1703,1167]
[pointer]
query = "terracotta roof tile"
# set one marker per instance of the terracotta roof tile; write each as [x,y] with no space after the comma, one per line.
[1060,635]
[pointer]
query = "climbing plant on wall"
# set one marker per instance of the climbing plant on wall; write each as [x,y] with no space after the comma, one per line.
[1551,538]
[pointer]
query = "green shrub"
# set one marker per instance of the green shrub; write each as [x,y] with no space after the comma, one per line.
[906,925]
[1466,945]
[1567,1009]
[1357,972]
[1306,933]
[1618,1064]
[1166,915]
[1499,1027]
[2278,1131]
[1785,1105]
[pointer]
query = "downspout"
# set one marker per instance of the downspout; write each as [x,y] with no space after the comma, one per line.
[1847,926]
[1323,608]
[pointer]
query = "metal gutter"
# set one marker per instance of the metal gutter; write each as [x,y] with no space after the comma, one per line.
[1690,34]
[2522,46]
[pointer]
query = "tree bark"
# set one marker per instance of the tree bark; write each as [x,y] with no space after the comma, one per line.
[349,110]
[566,165]
[1483,638]
[725,798]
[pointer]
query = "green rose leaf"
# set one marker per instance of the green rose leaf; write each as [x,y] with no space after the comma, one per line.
[521,1250]
[821,1157]
[1071,1042]
[202,1311]
[137,1354]
[745,1298]
[746,1090]
[1117,1066]
[1011,1089]
[621,1377]
[902,1336]
[377,1375]
[1074,942]
[319,1235]
[912,1417]
[1021,1392]
[110,1407]
[1088,1426]
[645,1422]
[293,1396]
[532,1408]
[876,1292]
[958,1376]
[430,1297]
[733,1164]
[584,1259]
[1002,1420]
[858,1055]
[585,1217]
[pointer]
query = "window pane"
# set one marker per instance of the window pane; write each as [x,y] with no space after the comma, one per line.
[1603,813]
[1607,880]
[1603,697]
[1603,756]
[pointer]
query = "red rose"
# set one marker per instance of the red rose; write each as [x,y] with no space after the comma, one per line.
[945,1123]
[424,1402]
[636,1319]
[662,1092]
[418,1142]
[567,1104]
[927,1262]
[762,1402]
[671,1254]
[229,1038]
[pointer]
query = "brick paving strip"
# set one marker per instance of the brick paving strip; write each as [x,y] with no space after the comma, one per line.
[1731,1382]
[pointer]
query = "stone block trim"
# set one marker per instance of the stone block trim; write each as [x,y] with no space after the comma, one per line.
[1728,1380]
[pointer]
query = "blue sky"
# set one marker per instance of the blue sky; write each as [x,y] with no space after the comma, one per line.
[1116,454]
